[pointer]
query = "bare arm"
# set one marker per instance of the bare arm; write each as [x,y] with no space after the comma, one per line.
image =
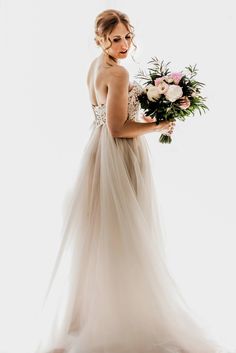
[117,109]
[133,128]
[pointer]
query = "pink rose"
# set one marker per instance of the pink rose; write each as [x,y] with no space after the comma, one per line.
[176,77]
[184,103]
[159,80]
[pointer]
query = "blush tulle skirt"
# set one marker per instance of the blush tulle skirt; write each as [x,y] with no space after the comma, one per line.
[111,291]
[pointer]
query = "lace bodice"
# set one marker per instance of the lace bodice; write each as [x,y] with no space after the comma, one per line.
[133,106]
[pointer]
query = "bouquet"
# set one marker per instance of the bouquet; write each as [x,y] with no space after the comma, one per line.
[168,96]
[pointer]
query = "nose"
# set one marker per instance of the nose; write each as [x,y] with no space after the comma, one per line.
[125,44]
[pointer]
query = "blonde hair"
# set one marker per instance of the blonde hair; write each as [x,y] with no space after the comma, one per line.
[106,21]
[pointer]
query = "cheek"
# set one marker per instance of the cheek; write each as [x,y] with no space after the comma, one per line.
[115,45]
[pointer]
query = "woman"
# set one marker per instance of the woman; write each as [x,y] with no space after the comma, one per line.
[111,291]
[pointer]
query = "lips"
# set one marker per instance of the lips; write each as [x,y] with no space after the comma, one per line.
[123,52]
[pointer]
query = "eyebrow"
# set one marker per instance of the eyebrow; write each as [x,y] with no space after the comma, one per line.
[120,36]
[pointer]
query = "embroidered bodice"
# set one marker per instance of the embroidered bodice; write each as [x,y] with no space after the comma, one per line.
[133,105]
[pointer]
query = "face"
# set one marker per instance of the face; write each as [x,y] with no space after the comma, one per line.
[121,42]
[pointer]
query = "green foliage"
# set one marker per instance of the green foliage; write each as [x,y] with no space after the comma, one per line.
[158,69]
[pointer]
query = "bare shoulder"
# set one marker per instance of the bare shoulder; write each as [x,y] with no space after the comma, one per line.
[118,78]
[120,72]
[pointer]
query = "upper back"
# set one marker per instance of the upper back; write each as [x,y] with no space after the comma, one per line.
[98,80]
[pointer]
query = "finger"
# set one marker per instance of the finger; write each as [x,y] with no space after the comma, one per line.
[149,119]
[142,115]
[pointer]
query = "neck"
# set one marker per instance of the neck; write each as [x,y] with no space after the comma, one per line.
[108,61]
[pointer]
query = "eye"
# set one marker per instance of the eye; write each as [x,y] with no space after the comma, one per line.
[118,39]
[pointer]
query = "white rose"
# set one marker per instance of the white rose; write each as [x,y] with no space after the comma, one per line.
[145,89]
[174,92]
[153,93]
[162,87]
[168,79]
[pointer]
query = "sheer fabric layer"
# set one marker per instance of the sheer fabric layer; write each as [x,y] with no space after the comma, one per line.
[111,291]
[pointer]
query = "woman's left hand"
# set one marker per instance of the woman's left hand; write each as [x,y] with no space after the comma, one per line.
[147,119]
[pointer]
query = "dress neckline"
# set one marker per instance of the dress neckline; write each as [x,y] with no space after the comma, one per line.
[103,104]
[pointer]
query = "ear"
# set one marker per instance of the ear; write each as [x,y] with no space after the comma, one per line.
[101,41]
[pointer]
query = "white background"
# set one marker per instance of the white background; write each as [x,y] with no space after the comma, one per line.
[46,48]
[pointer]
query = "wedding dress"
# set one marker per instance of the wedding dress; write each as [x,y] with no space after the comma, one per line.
[111,290]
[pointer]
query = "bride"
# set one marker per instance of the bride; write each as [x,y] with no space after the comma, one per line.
[111,291]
